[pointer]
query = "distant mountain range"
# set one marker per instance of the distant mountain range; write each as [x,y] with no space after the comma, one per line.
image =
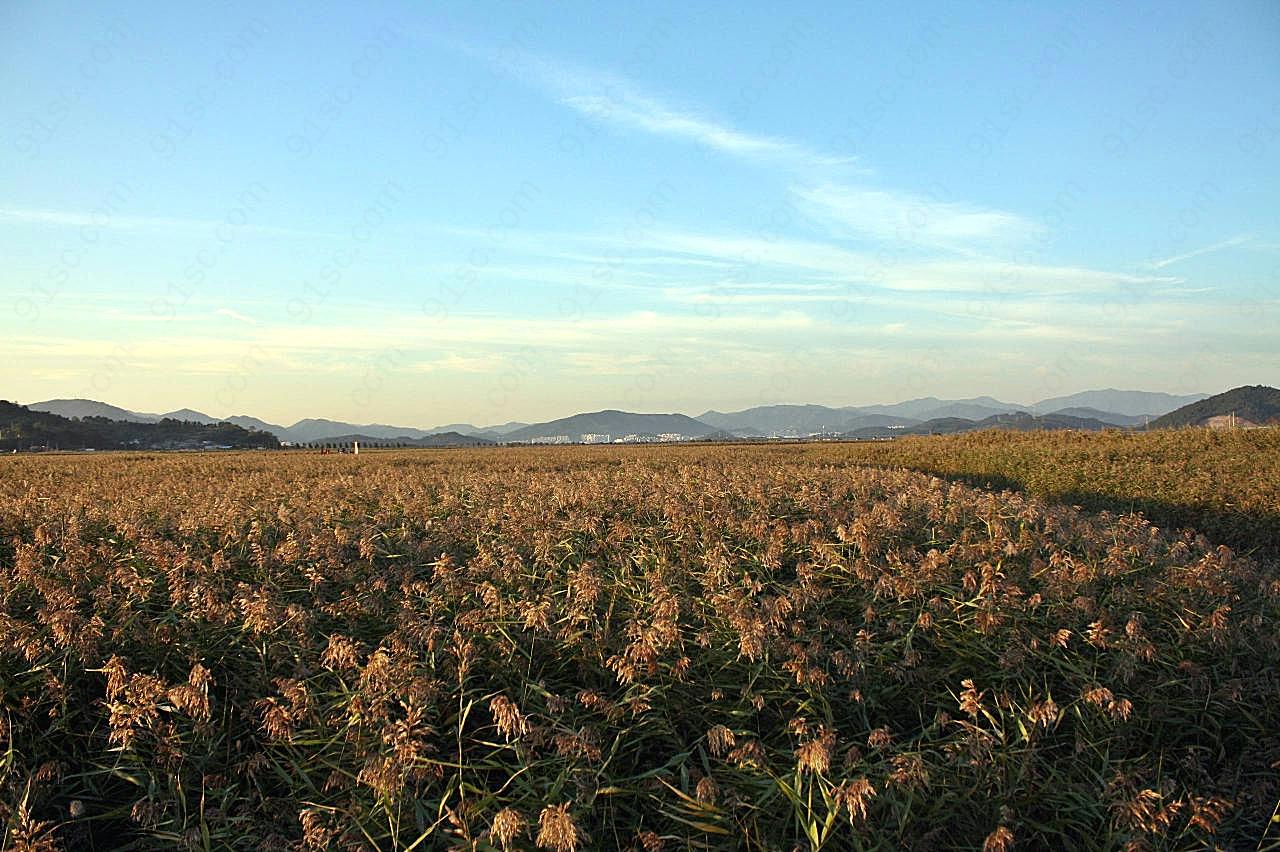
[1132,403]
[1020,421]
[439,439]
[616,424]
[1094,409]
[93,408]
[798,420]
[1109,417]
[23,429]
[1111,407]
[303,432]
[930,407]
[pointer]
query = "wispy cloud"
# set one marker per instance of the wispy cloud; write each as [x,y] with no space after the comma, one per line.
[73,219]
[126,222]
[235,315]
[486,363]
[732,294]
[693,267]
[634,110]
[892,216]
[607,97]
[997,280]
[838,203]
[816,263]
[871,213]
[1178,258]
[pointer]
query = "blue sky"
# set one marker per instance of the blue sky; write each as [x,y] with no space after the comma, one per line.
[496,211]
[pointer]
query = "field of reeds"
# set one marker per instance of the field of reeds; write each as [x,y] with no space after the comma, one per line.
[1225,484]
[769,648]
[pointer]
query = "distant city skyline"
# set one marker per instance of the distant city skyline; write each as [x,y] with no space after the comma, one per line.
[494,212]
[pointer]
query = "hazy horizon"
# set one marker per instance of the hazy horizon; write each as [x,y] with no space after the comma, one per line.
[313,415]
[493,212]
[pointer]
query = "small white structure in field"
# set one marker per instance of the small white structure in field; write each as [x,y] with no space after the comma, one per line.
[355,448]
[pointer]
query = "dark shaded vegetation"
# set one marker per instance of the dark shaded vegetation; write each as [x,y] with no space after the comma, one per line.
[23,429]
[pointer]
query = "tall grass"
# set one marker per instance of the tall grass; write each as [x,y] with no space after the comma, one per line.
[616,648]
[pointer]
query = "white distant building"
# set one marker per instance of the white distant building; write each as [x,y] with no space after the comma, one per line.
[550,439]
[596,438]
[633,438]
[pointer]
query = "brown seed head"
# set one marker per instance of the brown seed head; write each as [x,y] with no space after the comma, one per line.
[720,739]
[556,829]
[507,825]
[998,840]
[853,796]
[507,716]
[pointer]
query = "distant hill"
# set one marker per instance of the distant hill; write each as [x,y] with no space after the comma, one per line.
[442,439]
[1132,403]
[1105,416]
[319,429]
[1021,421]
[1257,404]
[938,426]
[930,407]
[304,431]
[187,415]
[1110,406]
[246,422]
[881,420]
[90,408]
[453,439]
[313,430]
[506,428]
[24,429]
[615,423]
[969,410]
[719,435]
[797,420]
[778,419]
[493,432]
[464,429]
[811,419]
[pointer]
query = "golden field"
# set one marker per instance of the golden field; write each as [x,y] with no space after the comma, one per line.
[1225,484]
[761,647]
